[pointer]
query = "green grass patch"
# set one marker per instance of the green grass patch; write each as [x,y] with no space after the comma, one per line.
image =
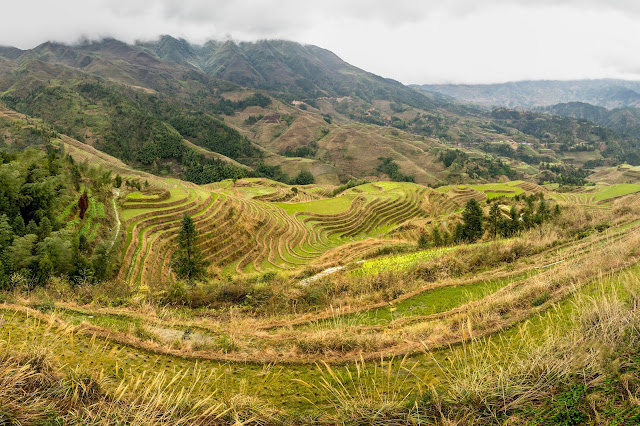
[137,196]
[131,213]
[399,262]
[327,206]
[614,191]
[255,191]
[437,300]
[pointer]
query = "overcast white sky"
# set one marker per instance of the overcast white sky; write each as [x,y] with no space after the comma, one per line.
[459,41]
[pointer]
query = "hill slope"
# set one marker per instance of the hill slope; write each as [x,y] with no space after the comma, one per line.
[279,108]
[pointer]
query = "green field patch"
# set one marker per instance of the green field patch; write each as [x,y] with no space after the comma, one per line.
[137,196]
[112,322]
[175,194]
[614,191]
[93,233]
[433,301]
[255,191]
[327,206]
[179,193]
[491,190]
[399,262]
[67,210]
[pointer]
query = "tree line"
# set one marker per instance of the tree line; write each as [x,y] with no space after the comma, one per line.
[498,223]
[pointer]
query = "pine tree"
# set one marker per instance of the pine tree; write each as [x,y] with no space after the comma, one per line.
[472,218]
[446,237]
[437,237]
[543,213]
[45,228]
[31,228]
[527,218]
[423,240]
[76,176]
[514,223]
[18,226]
[6,233]
[494,220]
[458,234]
[188,262]
[100,261]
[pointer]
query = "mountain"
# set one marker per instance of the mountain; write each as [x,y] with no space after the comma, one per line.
[301,71]
[130,100]
[292,69]
[623,120]
[606,93]
[276,109]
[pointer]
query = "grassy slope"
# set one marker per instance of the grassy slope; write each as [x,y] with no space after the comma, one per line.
[281,387]
[276,384]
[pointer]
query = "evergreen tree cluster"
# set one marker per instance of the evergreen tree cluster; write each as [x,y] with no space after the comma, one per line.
[34,243]
[475,225]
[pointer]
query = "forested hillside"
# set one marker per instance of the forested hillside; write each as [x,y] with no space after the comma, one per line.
[55,214]
[277,109]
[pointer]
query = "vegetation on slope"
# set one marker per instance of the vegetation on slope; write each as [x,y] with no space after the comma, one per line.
[479,282]
[46,229]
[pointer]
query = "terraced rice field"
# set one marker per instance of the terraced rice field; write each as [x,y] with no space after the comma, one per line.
[257,226]
[430,315]
[254,226]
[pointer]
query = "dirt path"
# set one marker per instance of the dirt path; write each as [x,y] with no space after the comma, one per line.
[324,273]
[116,194]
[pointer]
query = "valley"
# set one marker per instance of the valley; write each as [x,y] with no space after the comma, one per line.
[261,233]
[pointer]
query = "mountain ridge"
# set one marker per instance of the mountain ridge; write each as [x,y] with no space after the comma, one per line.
[295,70]
[280,108]
[608,93]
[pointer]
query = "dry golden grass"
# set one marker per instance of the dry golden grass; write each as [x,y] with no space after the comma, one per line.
[490,381]
[340,341]
[35,390]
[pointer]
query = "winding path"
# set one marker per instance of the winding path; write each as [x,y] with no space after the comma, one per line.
[116,194]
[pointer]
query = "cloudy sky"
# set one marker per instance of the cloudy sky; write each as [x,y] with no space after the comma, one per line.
[428,41]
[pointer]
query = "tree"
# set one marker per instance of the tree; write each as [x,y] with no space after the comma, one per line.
[21,252]
[527,218]
[458,234]
[45,269]
[31,228]
[59,251]
[117,182]
[6,233]
[446,237]
[188,262]
[437,237]
[83,204]
[494,220]
[100,261]
[18,226]
[45,228]
[514,223]
[422,240]
[304,178]
[543,213]
[472,218]
[76,177]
